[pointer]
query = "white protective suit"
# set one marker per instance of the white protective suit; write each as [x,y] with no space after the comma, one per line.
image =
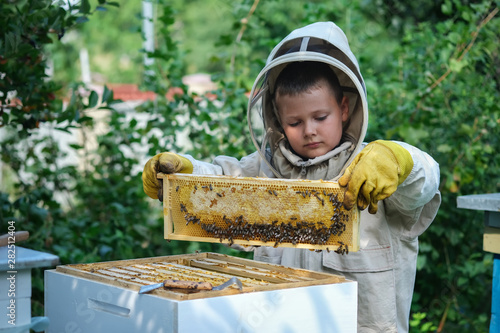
[385,265]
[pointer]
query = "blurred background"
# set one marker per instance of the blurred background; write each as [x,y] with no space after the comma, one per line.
[89,90]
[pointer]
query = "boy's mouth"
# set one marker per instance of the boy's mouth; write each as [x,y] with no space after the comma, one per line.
[313,145]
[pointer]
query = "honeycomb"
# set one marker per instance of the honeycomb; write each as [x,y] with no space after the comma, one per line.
[259,211]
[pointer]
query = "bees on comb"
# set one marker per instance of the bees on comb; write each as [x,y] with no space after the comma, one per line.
[285,230]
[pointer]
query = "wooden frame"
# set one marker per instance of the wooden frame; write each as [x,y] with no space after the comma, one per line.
[193,203]
[267,276]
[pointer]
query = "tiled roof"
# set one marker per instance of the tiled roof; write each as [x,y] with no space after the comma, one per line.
[131,92]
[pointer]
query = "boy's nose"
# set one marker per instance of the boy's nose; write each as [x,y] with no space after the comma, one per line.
[309,129]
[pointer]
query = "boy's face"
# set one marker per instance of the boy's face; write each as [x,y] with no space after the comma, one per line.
[312,120]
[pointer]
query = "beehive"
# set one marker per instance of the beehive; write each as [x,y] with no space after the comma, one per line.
[259,211]
[104,297]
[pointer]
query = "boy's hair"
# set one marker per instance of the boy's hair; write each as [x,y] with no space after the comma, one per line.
[299,77]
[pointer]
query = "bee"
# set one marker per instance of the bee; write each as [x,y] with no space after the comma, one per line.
[270,192]
[275,193]
[210,186]
[220,195]
[177,189]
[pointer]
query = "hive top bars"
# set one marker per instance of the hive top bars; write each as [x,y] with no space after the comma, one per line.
[259,211]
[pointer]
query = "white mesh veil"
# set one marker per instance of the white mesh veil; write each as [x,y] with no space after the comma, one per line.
[321,42]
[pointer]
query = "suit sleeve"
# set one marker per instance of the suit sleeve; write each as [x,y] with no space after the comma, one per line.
[412,208]
[249,166]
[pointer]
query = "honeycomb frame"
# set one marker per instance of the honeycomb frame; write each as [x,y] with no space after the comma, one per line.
[258,211]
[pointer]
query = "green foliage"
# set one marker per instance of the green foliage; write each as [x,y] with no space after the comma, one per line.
[417,323]
[439,95]
[112,40]
[432,84]
[24,87]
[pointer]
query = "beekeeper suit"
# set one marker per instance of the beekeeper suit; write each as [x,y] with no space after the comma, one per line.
[385,265]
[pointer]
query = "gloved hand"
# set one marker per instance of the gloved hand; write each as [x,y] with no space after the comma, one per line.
[375,174]
[166,163]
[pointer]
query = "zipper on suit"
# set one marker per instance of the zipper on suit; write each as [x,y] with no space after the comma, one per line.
[303,171]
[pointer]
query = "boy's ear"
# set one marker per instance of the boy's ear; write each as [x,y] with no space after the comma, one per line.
[344,108]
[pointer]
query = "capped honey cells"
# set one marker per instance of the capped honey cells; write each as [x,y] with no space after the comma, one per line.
[259,211]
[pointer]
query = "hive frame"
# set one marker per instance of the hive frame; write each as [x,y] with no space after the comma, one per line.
[214,268]
[218,201]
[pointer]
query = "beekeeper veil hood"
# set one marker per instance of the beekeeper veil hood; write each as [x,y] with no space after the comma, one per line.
[320,42]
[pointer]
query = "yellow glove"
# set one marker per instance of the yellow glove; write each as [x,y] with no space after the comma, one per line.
[166,163]
[375,174]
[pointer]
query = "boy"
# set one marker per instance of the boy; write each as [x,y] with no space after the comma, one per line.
[308,116]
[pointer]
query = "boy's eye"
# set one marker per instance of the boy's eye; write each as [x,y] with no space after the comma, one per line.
[321,118]
[295,124]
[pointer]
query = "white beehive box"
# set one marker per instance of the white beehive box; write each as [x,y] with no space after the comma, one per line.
[103,297]
[15,286]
